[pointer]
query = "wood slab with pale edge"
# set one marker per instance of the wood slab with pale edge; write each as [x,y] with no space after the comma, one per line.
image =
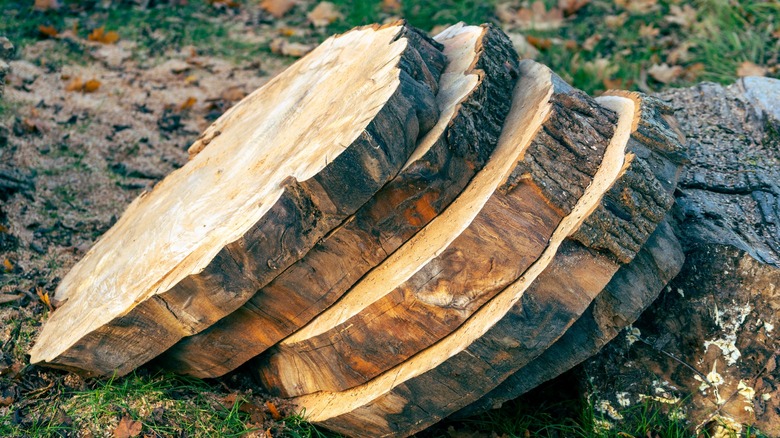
[613,235]
[481,72]
[480,244]
[285,166]
[433,382]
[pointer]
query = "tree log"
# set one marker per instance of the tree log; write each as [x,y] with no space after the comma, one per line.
[482,243]
[477,355]
[281,169]
[632,288]
[482,70]
[710,350]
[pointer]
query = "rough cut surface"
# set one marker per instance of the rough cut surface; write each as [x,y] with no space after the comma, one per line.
[483,242]
[481,71]
[719,316]
[200,243]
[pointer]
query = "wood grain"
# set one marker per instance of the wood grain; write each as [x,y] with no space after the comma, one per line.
[524,318]
[281,169]
[481,71]
[484,241]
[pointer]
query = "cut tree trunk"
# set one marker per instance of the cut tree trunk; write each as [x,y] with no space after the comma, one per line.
[483,242]
[281,169]
[709,348]
[632,288]
[479,354]
[481,72]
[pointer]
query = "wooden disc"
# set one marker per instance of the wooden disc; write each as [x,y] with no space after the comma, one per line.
[482,243]
[480,353]
[481,71]
[282,168]
[576,299]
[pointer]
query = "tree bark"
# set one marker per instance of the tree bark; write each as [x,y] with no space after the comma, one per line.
[710,339]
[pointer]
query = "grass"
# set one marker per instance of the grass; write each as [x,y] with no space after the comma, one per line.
[721,35]
[165,405]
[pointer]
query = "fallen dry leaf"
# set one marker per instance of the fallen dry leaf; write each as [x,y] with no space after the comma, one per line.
[591,41]
[601,68]
[76,84]
[8,298]
[48,31]
[91,86]
[8,265]
[615,21]
[539,43]
[277,8]
[45,5]
[272,409]
[128,428]
[638,6]
[684,16]
[570,7]
[539,18]
[233,94]
[392,6]
[664,73]
[679,54]
[693,71]
[648,31]
[224,3]
[748,68]
[283,47]
[101,36]
[187,104]
[505,13]
[323,14]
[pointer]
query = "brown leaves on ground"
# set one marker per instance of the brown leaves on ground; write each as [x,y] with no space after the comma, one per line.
[281,46]
[128,428]
[324,14]
[536,17]
[77,84]
[638,6]
[683,16]
[272,409]
[570,7]
[256,413]
[45,5]
[48,31]
[748,68]
[277,8]
[664,73]
[391,6]
[187,104]
[101,36]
